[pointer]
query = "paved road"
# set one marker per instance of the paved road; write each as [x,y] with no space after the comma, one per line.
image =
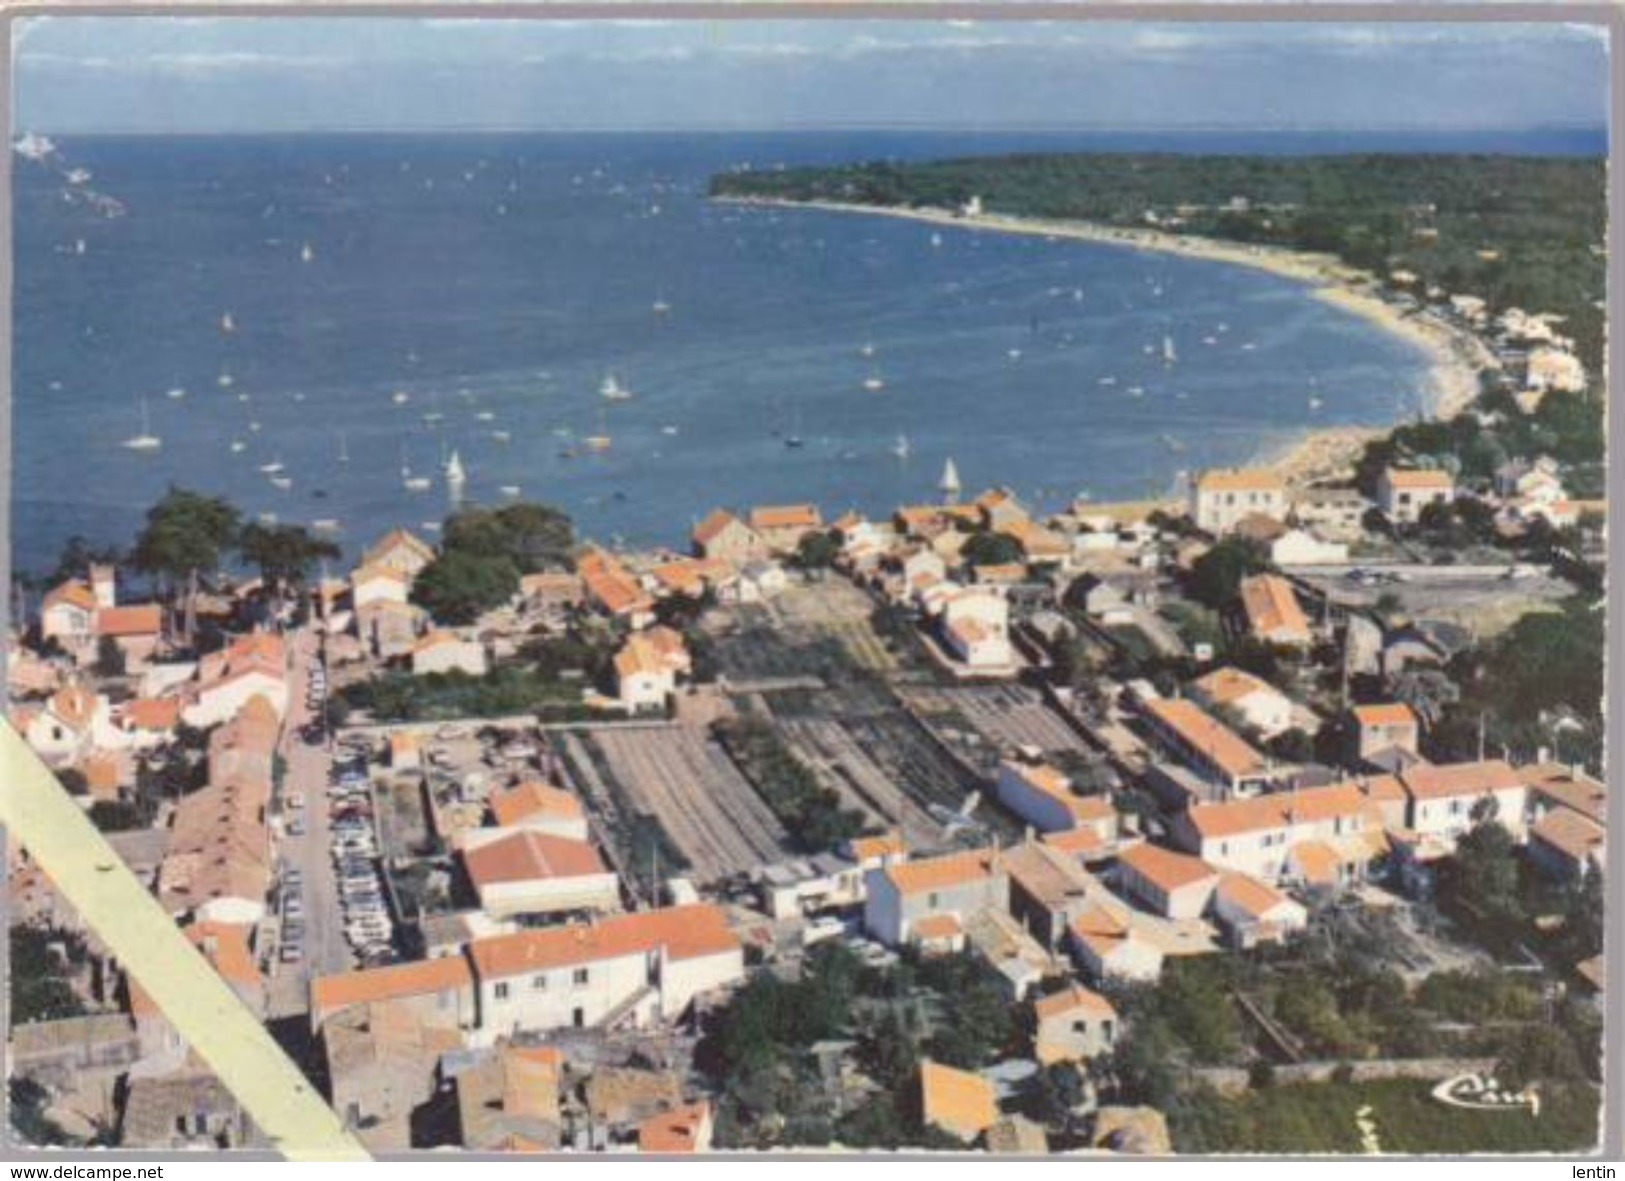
[308,766]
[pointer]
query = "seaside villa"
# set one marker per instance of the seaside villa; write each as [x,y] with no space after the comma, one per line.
[1219,500]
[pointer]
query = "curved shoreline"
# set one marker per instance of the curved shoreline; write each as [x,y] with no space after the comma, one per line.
[1455,355]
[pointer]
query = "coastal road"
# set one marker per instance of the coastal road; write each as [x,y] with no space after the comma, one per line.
[326,951]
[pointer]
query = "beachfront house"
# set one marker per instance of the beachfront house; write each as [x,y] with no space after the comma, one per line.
[1219,500]
[1402,494]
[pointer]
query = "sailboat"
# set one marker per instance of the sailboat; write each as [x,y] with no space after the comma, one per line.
[901,448]
[271,468]
[228,323]
[307,253]
[613,390]
[146,440]
[455,474]
[344,449]
[660,307]
[1168,354]
[874,383]
[794,440]
[868,349]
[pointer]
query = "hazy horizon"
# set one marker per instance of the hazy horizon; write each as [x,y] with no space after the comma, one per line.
[189,75]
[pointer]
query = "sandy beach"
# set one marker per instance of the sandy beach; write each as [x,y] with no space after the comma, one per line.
[1456,356]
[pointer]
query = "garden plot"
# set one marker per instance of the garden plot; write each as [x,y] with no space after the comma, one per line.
[683,779]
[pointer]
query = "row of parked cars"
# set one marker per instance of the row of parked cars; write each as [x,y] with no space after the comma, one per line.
[367,925]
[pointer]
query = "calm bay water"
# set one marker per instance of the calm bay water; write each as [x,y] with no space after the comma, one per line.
[296,288]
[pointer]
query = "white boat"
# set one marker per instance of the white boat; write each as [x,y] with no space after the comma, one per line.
[484,416]
[243,398]
[868,350]
[344,448]
[228,323]
[416,483]
[1107,381]
[668,430]
[614,390]
[400,397]
[660,307]
[255,427]
[1169,356]
[901,448]
[33,147]
[510,489]
[1013,354]
[307,253]
[1314,403]
[455,474]
[271,468]
[266,518]
[238,446]
[282,482]
[874,383]
[501,436]
[1210,340]
[225,381]
[601,441]
[325,525]
[433,416]
[146,440]
[78,245]
[936,239]
[177,393]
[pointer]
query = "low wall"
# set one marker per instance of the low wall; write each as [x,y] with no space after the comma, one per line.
[1231,1082]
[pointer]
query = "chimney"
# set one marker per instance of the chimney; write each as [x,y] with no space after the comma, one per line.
[102,586]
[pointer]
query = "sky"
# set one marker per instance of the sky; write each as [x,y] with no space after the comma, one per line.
[77,74]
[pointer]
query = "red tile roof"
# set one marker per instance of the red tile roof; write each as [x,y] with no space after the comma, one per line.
[685,932]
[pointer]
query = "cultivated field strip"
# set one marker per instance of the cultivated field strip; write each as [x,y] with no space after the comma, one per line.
[840,763]
[1008,716]
[709,809]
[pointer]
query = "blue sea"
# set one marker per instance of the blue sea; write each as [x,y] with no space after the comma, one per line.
[347,307]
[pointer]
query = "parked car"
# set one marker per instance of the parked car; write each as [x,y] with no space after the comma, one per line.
[291,953]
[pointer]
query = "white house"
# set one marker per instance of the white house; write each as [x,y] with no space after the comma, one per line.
[975,625]
[1219,500]
[444,652]
[1073,1025]
[541,808]
[953,886]
[1173,885]
[1257,702]
[378,584]
[530,872]
[1103,941]
[635,967]
[1402,494]
[647,667]
[253,666]
[1253,913]
[1321,832]
[1442,799]
[68,613]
